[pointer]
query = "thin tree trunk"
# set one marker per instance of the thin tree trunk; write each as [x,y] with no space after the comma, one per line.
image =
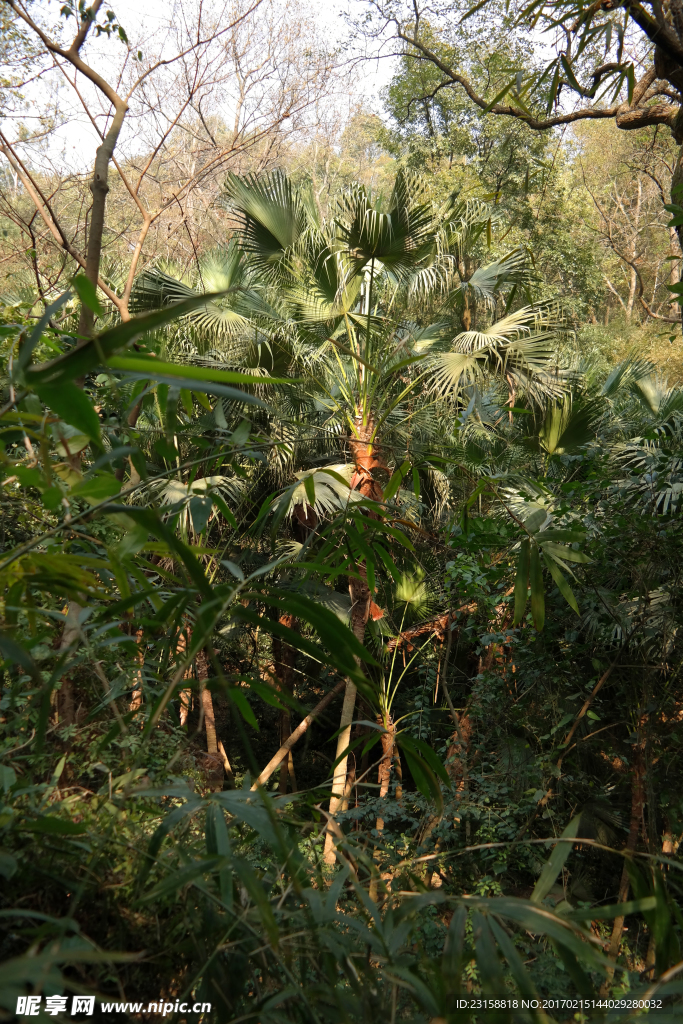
[284,657]
[384,780]
[185,695]
[339,777]
[99,186]
[384,771]
[674,269]
[637,805]
[64,703]
[297,734]
[136,696]
[215,759]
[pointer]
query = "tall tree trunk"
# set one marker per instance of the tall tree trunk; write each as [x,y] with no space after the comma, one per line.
[185,695]
[674,269]
[677,197]
[384,780]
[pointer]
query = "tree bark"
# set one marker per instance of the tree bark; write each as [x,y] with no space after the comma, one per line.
[136,696]
[386,762]
[215,760]
[65,707]
[284,657]
[99,186]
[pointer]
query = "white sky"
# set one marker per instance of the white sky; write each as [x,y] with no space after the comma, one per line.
[72,145]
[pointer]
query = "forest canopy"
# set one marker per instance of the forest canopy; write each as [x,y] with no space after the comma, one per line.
[340,537]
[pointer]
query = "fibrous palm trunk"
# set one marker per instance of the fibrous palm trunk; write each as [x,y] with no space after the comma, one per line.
[362,608]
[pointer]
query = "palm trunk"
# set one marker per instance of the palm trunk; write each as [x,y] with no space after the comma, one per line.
[362,607]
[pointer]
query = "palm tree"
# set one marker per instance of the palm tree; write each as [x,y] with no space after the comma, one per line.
[370,304]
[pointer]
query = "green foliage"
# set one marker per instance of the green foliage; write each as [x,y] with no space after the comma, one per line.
[170,566]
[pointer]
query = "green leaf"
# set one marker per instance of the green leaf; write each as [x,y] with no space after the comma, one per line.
[499,96]
[396,480]
[95,351]
[26,349]
[54,826]
[561,582]
[72,405]
[537,590]
[569,72]
[8,865]
[309,486]
[7,777]
[96,489]
[521,581]
[166,449]
[154,367]
[244,707]
[615,910]
[555,862]
[186,399]
[87,293]
[565,553]
[535,521]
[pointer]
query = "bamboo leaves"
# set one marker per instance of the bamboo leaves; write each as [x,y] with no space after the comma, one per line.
[540,547]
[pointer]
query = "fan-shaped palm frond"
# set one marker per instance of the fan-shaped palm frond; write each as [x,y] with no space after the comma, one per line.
[463,222]
[489,281]
[220,320]
[570,424]
[398,238]
[663,403]
[651,392]
[273,219]
[192,501]
[519,348]
[627,373]
[325,489]
[655,471]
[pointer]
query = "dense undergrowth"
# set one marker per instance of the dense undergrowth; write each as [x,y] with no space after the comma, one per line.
[483,541]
